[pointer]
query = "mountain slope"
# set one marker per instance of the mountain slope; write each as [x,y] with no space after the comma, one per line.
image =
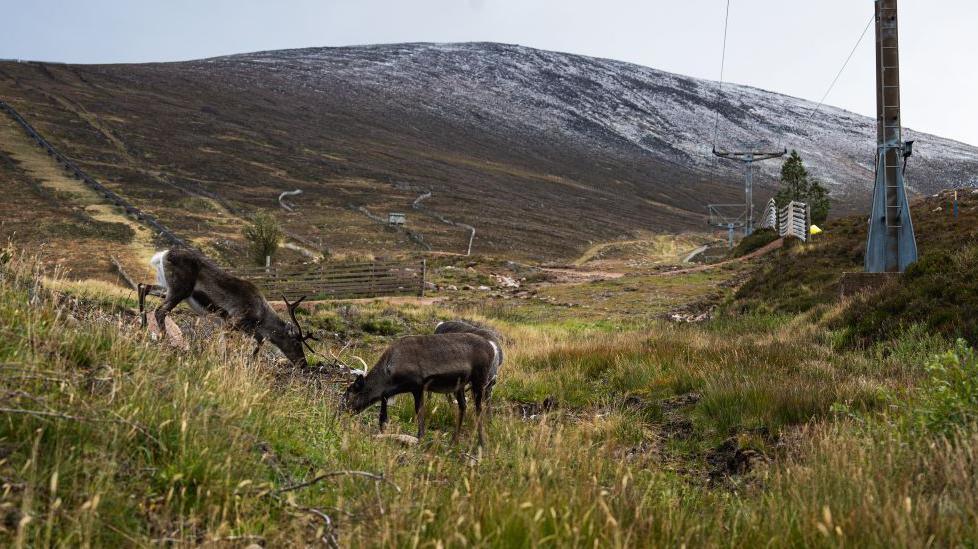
[542,152]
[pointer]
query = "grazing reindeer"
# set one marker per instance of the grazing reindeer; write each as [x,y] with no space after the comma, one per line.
[187,275]
[461,326]
[441,363]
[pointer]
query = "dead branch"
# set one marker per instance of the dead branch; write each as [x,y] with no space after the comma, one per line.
[38,413]
[331,474]
[329,537]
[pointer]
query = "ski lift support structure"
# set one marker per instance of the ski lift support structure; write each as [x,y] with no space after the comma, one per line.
[727,216]
[891,245]
[748,158]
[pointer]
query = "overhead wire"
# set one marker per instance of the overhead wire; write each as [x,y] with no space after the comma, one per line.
[723,62]
[844,65]
[835,80]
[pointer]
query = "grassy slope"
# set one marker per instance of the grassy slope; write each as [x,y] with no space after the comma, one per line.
[194,447]
[801,277]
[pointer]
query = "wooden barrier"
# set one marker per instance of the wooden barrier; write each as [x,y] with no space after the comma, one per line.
[339,281]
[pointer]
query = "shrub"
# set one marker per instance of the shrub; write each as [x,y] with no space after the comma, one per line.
[264,236]
[949,397]
[755,241]
[940,292]
[380,326]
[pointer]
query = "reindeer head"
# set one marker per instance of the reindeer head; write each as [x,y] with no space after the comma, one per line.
[292,342]
[356,398]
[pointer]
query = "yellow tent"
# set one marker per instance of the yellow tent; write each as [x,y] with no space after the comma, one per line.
[815,230]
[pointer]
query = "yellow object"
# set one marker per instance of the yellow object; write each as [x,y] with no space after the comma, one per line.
[815,230]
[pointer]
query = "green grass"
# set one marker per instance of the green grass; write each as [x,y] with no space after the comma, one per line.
[110,438]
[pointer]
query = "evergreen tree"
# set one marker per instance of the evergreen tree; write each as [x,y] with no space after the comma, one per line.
[797,186]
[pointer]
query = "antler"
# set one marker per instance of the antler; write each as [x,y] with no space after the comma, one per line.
[292,307]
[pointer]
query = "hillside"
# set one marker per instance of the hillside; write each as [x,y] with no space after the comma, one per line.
[544,153]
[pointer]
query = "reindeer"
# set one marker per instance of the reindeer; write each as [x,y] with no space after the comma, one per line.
[462,326]
[183,274]
[440,363]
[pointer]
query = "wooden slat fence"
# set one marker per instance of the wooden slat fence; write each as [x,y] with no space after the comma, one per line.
[339,281]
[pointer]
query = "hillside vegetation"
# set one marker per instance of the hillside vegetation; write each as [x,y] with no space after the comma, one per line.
[732,433]
[802,276]
[545,153]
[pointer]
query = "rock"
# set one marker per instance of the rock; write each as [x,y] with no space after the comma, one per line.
[430,286]
[452,288]
[484,288]
[506,282]
[467,287]
[173,335]
[407,440]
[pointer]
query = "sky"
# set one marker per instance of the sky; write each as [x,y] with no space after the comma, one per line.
[795,48]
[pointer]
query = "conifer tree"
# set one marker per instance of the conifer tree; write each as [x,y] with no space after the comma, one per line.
[798,186]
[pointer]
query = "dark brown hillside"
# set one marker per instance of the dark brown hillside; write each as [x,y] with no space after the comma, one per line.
[143,125]
[544,153]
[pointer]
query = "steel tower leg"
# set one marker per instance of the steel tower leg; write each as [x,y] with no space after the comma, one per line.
[891,245]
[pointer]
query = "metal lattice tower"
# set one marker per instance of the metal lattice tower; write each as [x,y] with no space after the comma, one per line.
[891,246]
[748,158]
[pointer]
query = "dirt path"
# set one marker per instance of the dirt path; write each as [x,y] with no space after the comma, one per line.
[571,276]
[589,254]
[755,254]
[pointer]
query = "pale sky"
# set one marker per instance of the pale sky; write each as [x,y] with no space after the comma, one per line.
[789,47]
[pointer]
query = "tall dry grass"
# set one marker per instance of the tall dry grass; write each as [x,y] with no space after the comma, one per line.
[110,438]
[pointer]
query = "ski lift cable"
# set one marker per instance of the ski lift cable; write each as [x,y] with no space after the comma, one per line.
[835,80]
[844,65]
[723,62]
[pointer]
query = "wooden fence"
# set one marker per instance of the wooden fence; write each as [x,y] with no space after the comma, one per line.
[339,281]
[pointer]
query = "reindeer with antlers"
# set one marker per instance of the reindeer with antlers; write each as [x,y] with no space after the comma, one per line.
[183,274]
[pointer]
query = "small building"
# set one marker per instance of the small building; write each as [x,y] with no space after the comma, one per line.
[396,219]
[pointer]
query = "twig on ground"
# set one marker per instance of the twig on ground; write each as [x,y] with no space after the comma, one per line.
[39,413]
[331,474]
[329,537]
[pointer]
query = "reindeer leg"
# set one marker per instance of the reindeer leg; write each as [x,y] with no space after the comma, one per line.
[460,398]
[143,290]
[477,394]
[383,414]
[419,411]
[175,293]
[258,341]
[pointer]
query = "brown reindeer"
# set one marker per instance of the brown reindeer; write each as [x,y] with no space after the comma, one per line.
[466,327]
[441,363]
[183,274]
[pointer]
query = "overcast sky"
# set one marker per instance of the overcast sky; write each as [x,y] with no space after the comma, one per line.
[790,47]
